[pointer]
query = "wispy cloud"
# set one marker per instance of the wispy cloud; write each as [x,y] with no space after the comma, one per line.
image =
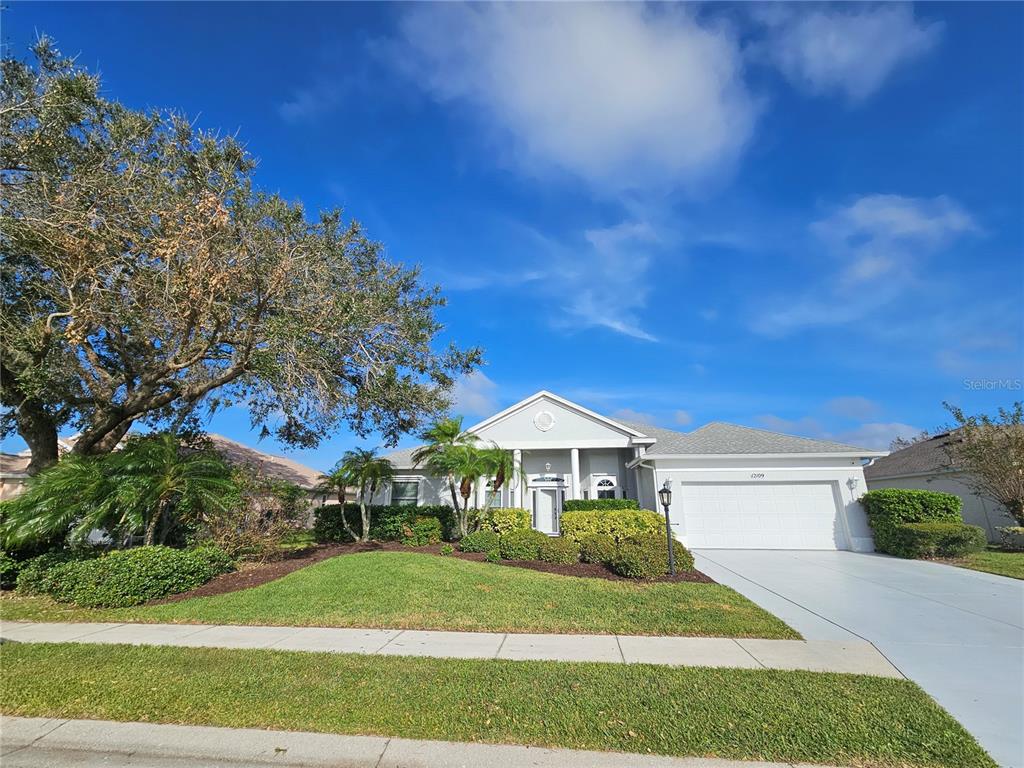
[853,407]
[475,395]
[623,96]
[628,414]
[850,49]
[682,418]
[874,435]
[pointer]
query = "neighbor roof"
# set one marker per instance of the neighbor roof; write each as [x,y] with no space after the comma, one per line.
[401,458]
[14,464]
[720,437]
[921,458]
[276,467]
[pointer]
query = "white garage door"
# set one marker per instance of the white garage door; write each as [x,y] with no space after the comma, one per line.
[762,516]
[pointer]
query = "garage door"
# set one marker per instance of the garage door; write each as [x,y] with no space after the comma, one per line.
[762,516]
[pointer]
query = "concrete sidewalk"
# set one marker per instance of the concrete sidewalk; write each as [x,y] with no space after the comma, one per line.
[45,743]
[850,656]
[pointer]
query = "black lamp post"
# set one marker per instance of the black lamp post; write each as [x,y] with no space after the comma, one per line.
[665,497]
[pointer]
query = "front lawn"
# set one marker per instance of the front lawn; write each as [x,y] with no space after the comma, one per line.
[727,713]
[410,590]
[997,561]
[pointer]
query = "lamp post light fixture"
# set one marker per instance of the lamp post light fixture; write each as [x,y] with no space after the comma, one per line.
[665,497]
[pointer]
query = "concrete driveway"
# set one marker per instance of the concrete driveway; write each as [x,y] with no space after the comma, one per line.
[959,634]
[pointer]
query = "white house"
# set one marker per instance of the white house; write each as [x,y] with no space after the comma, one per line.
[732,486]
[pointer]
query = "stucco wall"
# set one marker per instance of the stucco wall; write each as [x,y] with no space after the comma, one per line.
[518,430]
[978,510]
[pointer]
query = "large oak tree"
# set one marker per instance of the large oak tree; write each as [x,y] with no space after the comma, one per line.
[145,279]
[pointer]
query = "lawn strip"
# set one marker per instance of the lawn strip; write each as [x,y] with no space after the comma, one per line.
[1001,563]
[729,713]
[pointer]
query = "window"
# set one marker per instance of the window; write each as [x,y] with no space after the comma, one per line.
[405,492]
[493,496]
[605,489]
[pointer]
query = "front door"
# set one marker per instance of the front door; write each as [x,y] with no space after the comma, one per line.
[546,506]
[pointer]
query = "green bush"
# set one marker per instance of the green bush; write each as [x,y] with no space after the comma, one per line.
[646,557]
[9,568]
[617,523]
[889,508]
[1012,538]
[584,505]
[493,556]
[481,541]
[558,550]
[128,577]
[507,519]
[521,545]
[216,558]
[387,522]
[597,548]
[926,540]
[34,575]
[447,549]
[423,530]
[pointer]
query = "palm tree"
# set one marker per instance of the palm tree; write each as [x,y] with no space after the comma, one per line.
[500,464]
[125,492]
[368,472]
[442,435]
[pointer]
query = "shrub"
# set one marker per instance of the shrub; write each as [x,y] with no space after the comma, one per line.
[888,508]
[423,530]
[521,545]
[936,540]
[617,523]
[1012,537]
[128,577]
[597,548]
[216,558]
[481,541]
[507,519]
[584,505]
[9,568]
[447,549]
[558,550]
[387,522]
[646,557]
[493,556]
[34,576]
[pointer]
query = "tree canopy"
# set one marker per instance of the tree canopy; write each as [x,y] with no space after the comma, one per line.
[146,279]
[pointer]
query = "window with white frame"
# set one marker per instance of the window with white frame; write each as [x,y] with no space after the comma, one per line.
[606,488]
[493,499]
[405,492]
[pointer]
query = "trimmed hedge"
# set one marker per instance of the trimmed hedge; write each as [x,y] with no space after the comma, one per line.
[34,575]
[617,523]
[131,576]
[1012,537]
[507,519]
[584,505]
[597,548]
[889,508]
[559,550]
[927,540]
[646,557]
[480,541]
[388,522]
[521,545]
[423,530]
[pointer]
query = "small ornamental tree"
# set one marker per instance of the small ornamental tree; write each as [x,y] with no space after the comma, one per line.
[146,279]
[367,472]
[990,451]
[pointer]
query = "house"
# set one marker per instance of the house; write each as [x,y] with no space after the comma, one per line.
[926,465]
[732,486]
[12,474]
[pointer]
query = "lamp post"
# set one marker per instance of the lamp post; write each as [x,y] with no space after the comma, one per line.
[665,497]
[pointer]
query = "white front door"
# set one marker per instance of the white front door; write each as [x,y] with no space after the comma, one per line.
[747,515]
[545,509]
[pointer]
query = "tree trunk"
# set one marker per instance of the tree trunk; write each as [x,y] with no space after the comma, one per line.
[39,432]
[344,520]
[151,525]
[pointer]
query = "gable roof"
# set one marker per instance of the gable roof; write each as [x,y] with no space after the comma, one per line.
[621,426]
[722,438]
[276,467]
[922,458]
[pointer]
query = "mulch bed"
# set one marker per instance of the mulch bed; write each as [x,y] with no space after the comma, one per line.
[256,574]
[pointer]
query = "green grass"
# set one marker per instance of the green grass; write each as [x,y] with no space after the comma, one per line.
[997,561]
[412,590]
[728,713]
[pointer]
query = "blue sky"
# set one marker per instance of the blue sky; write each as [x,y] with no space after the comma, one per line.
[805,218]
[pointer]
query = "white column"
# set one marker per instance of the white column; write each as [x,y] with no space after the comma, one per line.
[517,492]
[574,458]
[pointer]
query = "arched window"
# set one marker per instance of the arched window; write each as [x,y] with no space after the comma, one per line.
[605,489]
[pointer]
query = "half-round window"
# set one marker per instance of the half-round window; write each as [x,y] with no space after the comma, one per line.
[605,489]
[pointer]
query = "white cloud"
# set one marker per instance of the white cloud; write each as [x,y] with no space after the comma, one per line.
[682,418]
[853,407]
[475,395]
[876,245]
[805,426]
[851,48]
[624,96]
[628,414]
[877,435]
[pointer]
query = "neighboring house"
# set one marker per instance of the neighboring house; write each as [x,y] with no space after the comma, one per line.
[926,465]
[732,486]
[12,474]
